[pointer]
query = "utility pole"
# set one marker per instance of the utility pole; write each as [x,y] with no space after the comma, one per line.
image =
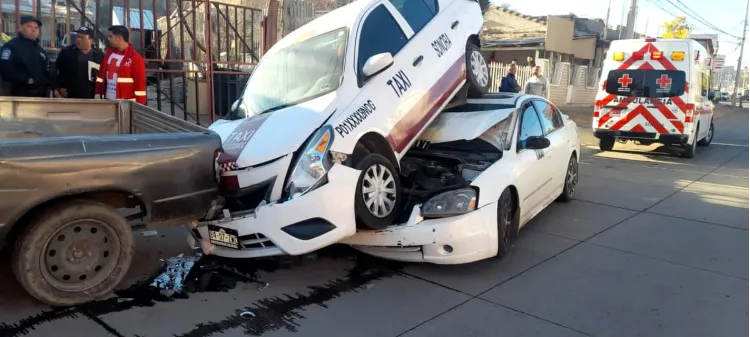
[631,19]
[737,77]
[606,22]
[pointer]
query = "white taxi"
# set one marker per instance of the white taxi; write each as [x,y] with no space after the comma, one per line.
[313,146]
[479,173]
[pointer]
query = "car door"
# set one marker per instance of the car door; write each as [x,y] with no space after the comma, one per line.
[531,174]
[557,153]
[381,93]
[421,103]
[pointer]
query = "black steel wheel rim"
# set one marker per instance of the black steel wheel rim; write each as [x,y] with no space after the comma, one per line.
[80,255]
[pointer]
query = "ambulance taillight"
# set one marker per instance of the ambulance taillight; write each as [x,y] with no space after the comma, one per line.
[689,110]
[678,55]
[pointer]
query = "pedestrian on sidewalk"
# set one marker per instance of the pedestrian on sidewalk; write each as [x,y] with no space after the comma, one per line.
[537,84]
[122,75]
[24,65]
[75,76]
[509,83]
[530,62]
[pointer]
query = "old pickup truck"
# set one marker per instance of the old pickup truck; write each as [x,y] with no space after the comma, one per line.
[77,176]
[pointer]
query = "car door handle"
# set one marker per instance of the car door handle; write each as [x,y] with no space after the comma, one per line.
[454,24]
[418,60]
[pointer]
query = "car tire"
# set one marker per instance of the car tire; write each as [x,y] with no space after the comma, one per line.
[571,180]
[689,149]
[73,252]
[505,217]
[606,143]
[379,173]
[477,71]
[706,141]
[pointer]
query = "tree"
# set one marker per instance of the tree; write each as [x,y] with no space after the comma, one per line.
[676,29]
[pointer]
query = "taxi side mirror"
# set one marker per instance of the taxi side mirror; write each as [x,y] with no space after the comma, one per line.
[376,64]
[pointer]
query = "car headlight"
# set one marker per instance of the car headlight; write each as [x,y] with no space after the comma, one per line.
[312,165]
[450,203]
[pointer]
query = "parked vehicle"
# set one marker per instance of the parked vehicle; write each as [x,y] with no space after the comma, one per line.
[330,111]
[655,91]
[75,177]
[479,174]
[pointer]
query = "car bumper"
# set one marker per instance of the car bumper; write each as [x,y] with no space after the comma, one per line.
[455,240]
[661,138]
[315,220]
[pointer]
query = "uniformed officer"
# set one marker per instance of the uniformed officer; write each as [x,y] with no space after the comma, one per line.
[75,76]
[24,66]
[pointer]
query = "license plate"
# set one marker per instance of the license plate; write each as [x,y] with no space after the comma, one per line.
[221,236]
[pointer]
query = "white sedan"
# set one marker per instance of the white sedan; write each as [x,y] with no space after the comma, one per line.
[476,177]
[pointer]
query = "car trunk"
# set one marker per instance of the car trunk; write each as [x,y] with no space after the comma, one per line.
[22,117]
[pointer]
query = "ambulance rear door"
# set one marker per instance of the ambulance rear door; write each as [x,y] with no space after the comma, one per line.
[644,91]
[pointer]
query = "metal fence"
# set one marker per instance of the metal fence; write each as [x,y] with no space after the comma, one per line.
[499,70]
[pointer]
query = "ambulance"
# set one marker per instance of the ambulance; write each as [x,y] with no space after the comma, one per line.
[655,91]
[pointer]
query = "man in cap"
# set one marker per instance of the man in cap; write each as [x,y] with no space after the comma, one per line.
[122,74]
[24,66]
[75,78]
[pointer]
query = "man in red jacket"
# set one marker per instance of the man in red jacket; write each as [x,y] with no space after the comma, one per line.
[122,74]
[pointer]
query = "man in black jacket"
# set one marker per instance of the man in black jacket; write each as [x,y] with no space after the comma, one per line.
[24,66]
[74,80]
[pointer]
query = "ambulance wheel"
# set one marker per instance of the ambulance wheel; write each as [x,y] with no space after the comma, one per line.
[690,148]
[606,143]
[709,137]
[477,71]
[378,193]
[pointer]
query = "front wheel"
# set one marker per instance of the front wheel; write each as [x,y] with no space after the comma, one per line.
[73,252]
[477,71]
[709,137]
[378,192]
[505,213]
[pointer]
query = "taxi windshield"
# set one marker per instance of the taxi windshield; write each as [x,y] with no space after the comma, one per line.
[297,73]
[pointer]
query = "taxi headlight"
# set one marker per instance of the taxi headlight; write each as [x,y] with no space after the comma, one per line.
[312,165]
[450,203]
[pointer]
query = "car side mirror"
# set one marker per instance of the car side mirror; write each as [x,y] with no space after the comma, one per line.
[235,105]
[377,64]
[537,143]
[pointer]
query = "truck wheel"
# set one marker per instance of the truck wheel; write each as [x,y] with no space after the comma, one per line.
[505,212]
[709,137]
[73,252]
[477,71]
[378,193]
[606,143]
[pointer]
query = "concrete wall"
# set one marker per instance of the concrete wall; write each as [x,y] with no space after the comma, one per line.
[584,48]
[558,91]
[559,36]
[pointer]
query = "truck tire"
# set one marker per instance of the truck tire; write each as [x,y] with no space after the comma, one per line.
[706,141]
[73,252]
[477,71]
[606,143]
[378,182]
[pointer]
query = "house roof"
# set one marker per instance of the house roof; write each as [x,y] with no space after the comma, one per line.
[531,41]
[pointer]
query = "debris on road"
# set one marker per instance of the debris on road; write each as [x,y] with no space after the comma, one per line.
[174,274]
[247,314]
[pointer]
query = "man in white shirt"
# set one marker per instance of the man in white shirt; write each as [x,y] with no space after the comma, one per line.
[537,84]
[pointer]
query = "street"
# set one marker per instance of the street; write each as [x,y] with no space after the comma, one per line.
[653,245]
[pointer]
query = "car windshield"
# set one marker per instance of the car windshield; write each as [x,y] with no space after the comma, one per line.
[297,73]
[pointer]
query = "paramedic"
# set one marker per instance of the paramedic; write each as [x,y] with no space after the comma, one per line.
[537,84]
[122,74]
[508,83]
[24,65]
[73,66]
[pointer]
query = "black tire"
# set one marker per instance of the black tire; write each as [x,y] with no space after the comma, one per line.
[689,149]
[477,71]
[505,217]
[108,236]
[606,143]
[710,137]
[571,180]
[365,216]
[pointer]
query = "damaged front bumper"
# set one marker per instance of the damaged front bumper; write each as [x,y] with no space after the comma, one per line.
[453,240]
[301,225]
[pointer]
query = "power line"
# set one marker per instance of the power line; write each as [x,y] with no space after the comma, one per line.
[693,15]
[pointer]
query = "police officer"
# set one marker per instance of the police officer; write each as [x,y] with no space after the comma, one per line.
[75,77]
[24,66]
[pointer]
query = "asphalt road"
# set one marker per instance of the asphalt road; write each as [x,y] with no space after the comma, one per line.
[653,245]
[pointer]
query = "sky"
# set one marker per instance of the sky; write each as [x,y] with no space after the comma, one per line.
[726,15]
